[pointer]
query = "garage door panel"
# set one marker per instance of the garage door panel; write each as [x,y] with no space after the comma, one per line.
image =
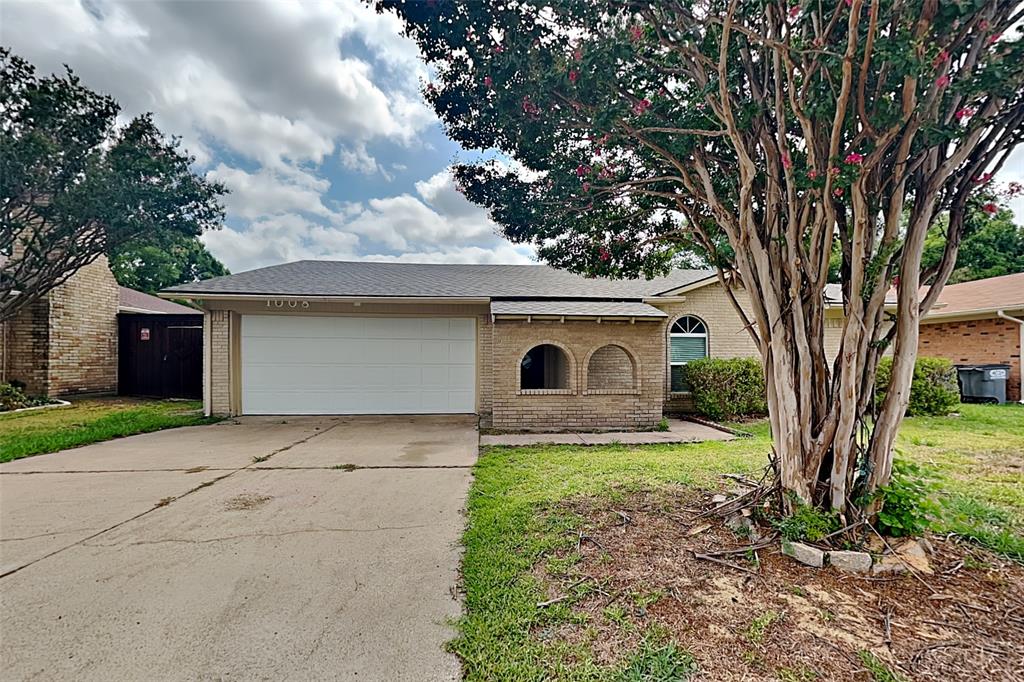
[348,365]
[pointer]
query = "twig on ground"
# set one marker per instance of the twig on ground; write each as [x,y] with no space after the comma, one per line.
[626,520]
[557,600]
[714,559]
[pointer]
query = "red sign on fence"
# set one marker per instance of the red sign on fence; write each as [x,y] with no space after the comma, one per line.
[144,334]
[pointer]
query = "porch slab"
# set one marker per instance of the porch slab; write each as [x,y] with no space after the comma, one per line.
[680,431]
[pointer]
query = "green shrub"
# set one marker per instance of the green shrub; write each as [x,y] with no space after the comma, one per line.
[726,388]
[12,397]
[908,501]
[807,523]
[934,390]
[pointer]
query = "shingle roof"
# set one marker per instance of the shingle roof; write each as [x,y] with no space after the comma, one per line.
[345,278]
[132,301]
[989,294]
[576,308]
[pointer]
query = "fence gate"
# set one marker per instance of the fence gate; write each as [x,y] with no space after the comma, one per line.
[160,356]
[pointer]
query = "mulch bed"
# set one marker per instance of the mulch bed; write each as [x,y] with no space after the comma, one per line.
[782,620]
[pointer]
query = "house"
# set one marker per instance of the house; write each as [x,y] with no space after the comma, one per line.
[522,346]
[66,342]
[979,322]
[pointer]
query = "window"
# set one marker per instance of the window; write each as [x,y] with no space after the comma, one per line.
[544,367]
[688,340]
[610,370]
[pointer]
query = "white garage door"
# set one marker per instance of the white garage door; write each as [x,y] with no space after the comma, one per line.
[358,365]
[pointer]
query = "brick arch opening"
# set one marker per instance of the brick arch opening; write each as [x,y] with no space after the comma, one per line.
[611,368]
[545,367]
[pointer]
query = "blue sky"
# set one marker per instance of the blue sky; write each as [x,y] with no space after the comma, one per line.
[310,112]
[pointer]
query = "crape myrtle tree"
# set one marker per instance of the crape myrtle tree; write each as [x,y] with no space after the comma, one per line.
[763,132]
[75,183]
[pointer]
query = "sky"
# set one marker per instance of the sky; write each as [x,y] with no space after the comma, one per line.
[309,112]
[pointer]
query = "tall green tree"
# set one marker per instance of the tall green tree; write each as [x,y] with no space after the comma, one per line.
[993,245]
[75,184]
[152,264]
[766,131]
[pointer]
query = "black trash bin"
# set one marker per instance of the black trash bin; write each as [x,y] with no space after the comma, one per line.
[983,383]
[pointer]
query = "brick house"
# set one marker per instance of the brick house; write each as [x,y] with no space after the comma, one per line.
[66,343]
[520,345]
[980,322]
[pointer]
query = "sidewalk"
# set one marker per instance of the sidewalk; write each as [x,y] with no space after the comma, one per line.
[680,431]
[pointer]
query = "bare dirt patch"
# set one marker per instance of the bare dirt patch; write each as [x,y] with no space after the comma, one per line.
[632,568]
[246,502]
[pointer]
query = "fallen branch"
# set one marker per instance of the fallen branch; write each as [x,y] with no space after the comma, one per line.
[722,562]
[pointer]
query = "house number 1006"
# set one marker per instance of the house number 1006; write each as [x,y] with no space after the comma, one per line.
[281,303]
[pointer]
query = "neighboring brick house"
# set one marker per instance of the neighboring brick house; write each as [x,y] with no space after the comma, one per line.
[65,343]
[980,322]
[522,346]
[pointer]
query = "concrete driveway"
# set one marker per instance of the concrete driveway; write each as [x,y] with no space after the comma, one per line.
[261,548]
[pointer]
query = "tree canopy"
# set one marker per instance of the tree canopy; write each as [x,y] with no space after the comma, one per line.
[763,132]
[153,263]
[992,246]
[75,183]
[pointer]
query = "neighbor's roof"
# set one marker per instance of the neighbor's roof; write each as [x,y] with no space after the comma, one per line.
[979,296]
[576,308]
[418,280]
[132,301]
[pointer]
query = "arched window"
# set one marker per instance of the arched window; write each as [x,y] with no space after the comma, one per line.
[688,341]
[544,366]
[610,369]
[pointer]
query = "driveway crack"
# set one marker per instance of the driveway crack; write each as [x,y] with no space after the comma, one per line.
[169,501]
[244,536]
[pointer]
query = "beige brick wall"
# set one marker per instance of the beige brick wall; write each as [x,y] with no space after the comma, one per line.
[83,332]
[66,343]
[24,345]
[578,406]
[987,341]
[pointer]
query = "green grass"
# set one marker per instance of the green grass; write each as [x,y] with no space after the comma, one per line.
[514,524]
[37,432]
[878,670]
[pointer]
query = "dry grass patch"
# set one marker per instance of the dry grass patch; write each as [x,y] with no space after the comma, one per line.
[632,569]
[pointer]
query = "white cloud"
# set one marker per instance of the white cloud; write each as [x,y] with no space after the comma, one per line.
[268,192]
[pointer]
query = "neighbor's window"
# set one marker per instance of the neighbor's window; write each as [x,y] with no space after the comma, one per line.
[544,366]
[688,341]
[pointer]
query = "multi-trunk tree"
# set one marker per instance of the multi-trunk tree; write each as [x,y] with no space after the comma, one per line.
[764,133]
[76,183]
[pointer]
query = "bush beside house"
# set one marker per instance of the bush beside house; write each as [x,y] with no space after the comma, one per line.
[726,388]
[934,391]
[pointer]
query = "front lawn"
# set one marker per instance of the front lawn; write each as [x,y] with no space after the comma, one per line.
[36,432]
[525,526]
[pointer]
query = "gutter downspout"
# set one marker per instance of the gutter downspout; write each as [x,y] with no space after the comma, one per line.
[1020,349]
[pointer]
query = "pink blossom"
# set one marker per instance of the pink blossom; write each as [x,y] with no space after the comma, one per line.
[582,170]
[963,113]
[586,186]
[990,208]
[793,11]
[849,3]
[1014,189]
[853,158]
[994,37]
[812,174]
[786,161]
[529,107]
[636,32]
[574,76]
[488,81]
[942,81]
[838,191]
[641,106]
[498,49]
[605,254]
[983,25]
[577,55]
[982,179]
[941,57]
[833,170]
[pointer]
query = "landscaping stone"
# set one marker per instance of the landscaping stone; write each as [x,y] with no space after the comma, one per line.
[913,553]
[888,564]
[743,526]
[850,562]
[805,554]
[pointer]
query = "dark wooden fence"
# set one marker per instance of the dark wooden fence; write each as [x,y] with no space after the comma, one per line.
[160,355]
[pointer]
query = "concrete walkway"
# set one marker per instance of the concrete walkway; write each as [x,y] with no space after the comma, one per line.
[680,431]
[263,548]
